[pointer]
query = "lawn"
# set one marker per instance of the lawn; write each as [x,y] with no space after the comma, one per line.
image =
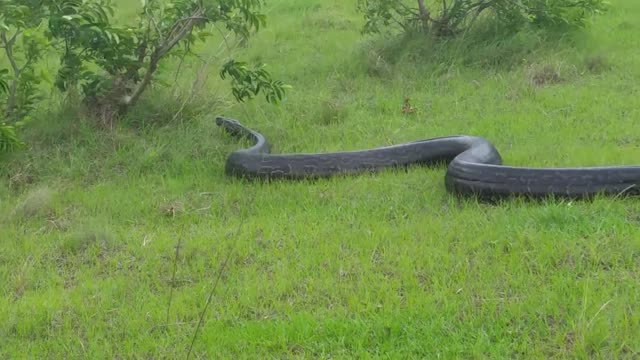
[112,241]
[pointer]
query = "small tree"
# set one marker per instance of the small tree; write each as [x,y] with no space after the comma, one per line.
[114,65]
[443,18]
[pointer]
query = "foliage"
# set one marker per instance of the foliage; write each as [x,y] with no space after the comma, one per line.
[8,137]
[23,43]
[248,82]
[4,86]
[449,17]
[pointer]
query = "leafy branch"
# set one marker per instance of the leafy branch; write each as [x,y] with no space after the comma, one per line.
[249,82]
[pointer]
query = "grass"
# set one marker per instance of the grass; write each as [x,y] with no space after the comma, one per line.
[384,266]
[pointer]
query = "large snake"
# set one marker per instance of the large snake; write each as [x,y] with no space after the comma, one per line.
[474,167]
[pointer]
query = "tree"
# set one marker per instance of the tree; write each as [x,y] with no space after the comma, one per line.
[127,57]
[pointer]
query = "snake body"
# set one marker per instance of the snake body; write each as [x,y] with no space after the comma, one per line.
[474,167]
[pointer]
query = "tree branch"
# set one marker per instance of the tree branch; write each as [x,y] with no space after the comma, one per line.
[424,12]
[152,21]
[408,9]
[8,48]
[185,26]
[13,89]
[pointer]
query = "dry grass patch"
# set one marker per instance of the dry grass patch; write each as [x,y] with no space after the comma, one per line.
[545,74]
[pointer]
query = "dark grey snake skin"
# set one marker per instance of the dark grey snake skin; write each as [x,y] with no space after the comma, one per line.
[474,167]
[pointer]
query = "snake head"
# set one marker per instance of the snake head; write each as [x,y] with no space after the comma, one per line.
[232,126]
[223,121]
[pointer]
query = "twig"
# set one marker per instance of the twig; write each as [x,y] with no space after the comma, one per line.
[191,94]
[175,36]
[408,9]
[9,42]
[203,68]
[172,324]
[213,289]
[224,37]
[153,22]
[206,306]
[598,312]
[195,17]
[173,277]
[174,39]
[624,191]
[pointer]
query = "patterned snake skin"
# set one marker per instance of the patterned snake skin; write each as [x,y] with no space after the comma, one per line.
[474,167]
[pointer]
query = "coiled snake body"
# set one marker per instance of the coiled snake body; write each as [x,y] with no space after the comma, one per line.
[474,167]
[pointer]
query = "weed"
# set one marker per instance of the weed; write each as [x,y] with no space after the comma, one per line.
[37,203]
[333,111]
[545,74]
[597,64]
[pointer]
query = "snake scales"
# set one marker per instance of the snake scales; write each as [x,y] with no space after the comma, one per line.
[474,167]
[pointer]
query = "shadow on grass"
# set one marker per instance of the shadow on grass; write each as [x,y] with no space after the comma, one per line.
[63,140]
[486,47]
[70,120]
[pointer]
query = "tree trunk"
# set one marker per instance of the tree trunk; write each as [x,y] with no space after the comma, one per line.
[17,71]
[425,15]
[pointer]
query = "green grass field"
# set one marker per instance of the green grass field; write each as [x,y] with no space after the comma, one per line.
[388,265]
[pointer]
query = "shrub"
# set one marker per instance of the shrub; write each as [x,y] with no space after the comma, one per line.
[449,17]
[112,65]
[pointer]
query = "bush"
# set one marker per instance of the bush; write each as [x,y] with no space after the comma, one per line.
[114,65]
[111,65]
[444,18]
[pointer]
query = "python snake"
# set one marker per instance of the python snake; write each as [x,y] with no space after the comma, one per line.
[474,167]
